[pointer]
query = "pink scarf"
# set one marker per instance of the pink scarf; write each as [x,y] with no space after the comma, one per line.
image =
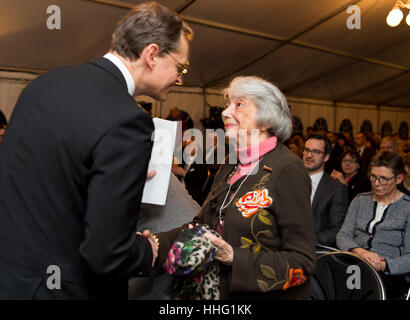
[249,157]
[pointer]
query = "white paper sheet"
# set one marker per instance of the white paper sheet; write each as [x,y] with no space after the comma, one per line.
[156,188]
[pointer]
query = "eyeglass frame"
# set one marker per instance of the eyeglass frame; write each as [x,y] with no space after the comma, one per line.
[315,152]
[182,69]
[376,178]
[350,160]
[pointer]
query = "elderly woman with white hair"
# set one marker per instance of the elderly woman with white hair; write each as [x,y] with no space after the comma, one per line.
[261,205]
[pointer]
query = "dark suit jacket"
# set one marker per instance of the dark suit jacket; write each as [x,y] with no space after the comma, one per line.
[365,159]
[329,208]
[358,184]
[72,171]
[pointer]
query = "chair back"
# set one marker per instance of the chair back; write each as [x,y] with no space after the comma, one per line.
[344,276]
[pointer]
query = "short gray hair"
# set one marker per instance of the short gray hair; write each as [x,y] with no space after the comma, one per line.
[273,110]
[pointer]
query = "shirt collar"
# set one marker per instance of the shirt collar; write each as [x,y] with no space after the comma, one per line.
[124,70]
[316,177]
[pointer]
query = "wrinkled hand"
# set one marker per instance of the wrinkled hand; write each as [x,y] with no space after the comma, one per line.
[377,262]
[224,254]
[147,234]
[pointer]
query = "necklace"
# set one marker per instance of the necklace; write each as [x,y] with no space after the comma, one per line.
[224,206]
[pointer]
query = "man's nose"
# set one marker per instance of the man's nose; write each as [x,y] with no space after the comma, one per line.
[179,81]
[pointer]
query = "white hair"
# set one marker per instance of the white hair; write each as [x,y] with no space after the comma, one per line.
[273,110]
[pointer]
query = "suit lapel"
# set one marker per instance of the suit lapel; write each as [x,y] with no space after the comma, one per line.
[319,191]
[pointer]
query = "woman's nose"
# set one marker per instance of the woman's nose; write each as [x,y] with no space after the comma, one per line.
[227,113]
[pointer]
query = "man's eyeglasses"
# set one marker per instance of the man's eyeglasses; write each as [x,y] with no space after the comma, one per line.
[181,68]
[316,152]
[382,180]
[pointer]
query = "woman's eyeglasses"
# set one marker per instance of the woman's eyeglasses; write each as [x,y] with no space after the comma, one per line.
[382,180]
[350,161]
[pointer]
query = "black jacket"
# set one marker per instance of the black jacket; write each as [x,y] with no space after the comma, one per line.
[72,170]
[329,208]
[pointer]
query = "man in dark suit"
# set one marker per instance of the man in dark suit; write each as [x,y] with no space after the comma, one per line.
[74,162]
[366,153]
[329,197]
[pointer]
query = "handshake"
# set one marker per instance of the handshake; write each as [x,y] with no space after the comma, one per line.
[154,244]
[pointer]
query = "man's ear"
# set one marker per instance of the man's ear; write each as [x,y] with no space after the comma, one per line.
[150,54]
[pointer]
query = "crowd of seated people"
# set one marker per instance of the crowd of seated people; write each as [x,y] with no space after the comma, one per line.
[365,208]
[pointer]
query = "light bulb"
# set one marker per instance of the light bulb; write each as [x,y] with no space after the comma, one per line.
[408,19]
[394,18]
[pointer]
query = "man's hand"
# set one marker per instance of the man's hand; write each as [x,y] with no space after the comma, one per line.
[150,174]
[147,234]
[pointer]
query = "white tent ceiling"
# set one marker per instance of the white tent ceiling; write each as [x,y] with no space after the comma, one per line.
[304,46]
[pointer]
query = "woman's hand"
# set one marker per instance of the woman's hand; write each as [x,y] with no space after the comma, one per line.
[154,246]
[337,175]
[377,262]
[224,254]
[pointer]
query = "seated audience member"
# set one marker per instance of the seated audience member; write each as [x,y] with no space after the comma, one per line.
[366,154]
[401,148]
[309,131]
[334,159]
[377,225]
[407,147]
[296,145]
[179,115]
[404,186]
[351,175]
[180,208]
[329,197]
[342,141]
[388,144]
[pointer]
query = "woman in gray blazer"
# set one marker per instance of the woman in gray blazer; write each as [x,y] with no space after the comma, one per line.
[377,225]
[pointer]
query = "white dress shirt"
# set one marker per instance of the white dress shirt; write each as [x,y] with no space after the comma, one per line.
[360,150]
[315,182]
[124,70]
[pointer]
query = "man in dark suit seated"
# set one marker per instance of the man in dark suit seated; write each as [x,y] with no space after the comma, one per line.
[74,163]
[329,197]
[366,153]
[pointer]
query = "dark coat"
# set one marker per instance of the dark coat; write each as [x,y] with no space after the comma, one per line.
[274,246]
[365,159]
[72,172]
[358,184]
[329,207]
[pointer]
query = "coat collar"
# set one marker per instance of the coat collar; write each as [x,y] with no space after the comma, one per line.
[111,68]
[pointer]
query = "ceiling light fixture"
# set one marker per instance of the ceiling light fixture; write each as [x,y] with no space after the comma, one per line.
[396,15]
